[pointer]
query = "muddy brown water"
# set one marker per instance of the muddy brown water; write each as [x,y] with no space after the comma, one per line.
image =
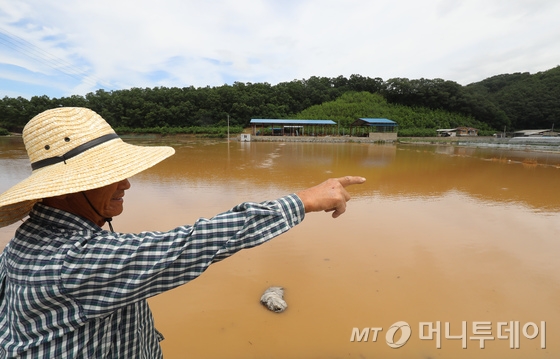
[462,238]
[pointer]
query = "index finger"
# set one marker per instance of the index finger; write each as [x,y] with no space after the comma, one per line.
[350,180]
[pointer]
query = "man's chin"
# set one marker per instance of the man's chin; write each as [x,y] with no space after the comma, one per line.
[114,211]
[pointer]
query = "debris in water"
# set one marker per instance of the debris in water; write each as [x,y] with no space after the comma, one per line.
[273,299]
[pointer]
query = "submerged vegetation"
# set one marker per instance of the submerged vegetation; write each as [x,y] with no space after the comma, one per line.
[209,131]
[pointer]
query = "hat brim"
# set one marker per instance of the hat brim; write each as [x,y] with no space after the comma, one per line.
[105,164]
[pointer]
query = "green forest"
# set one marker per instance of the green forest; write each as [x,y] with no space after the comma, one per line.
[419,106]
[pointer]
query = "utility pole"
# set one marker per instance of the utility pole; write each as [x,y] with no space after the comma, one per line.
[228,127]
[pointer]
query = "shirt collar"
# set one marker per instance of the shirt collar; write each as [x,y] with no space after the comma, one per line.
[50,216]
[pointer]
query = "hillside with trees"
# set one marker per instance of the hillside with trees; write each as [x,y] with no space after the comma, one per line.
[527,101]
[412,121]
[512,101]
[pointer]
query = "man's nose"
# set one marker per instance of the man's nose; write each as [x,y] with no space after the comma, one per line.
[124,184]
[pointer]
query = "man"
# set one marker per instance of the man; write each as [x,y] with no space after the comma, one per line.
[68,288]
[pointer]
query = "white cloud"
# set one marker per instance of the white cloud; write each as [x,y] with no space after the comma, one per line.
[123,44]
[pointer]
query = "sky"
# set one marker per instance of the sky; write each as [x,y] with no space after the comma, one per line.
[61,48]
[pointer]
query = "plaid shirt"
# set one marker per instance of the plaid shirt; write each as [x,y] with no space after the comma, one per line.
[69,289]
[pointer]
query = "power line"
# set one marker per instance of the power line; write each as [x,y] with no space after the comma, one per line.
[34,52]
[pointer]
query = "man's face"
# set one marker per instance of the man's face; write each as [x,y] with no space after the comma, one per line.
[108,200]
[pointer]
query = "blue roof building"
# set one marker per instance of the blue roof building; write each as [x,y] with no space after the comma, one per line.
[382,129]
[377,122]
[293,127]
[293,122]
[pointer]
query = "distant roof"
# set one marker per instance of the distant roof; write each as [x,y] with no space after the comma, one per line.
[292,122]
[462,128]
[531,132]
[374,121]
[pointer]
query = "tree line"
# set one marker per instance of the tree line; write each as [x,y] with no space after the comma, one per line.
[515,101]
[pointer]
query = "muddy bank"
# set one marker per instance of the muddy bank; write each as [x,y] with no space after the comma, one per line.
[551,144]
[517,143]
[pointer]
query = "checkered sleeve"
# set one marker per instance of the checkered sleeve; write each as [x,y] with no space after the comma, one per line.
[110,270]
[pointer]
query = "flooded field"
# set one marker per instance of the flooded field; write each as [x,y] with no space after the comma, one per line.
[445,251]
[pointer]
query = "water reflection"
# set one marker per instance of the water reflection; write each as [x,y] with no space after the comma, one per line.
[447,234]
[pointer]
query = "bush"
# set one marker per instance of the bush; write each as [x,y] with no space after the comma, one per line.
[417,132]
[4,132]
[218,131]
[487,132]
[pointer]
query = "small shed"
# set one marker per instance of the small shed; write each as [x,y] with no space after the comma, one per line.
[459,131]
[291,127]
[380,128]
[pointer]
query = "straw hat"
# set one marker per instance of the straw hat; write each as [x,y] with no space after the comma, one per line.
[71,150]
